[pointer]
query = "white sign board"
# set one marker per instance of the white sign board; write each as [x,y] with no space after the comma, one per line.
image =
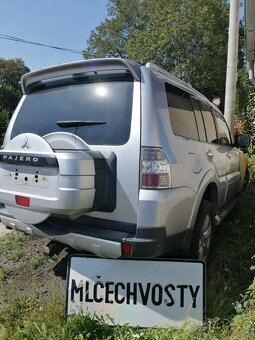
[141,293]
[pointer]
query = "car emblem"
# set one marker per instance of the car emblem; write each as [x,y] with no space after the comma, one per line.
[25,145]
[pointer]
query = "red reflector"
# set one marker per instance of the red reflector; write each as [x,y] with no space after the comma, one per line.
[23,201]
[126,249]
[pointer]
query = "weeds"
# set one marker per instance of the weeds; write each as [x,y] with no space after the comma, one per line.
[230,294]
[3,274]
[36,261]
[10,244]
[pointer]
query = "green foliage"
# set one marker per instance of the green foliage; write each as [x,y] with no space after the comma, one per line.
[229,280]
[28,319]
[3,275]
[245,102]
[244,322]
[37,260]
[251,157]
[13,313]
[25,319]
[187,38]
[4,118]
[230,294]
[10,244]
[10,92]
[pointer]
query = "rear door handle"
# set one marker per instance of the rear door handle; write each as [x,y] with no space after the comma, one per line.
[209,154]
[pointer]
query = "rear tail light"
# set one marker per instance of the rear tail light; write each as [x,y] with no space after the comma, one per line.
[126,249]
[155,169]
[22,201]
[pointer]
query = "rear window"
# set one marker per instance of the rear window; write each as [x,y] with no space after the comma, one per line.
[100,98]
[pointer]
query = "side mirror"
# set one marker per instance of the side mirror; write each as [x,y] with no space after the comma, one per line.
[242,141]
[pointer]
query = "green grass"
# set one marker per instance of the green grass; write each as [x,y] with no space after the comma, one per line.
[26,319]
[3,275]
[229,273]
[37,260]
[230,294]
[11,242]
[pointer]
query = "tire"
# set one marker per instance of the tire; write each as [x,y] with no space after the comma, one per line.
[203,232]
[51,182]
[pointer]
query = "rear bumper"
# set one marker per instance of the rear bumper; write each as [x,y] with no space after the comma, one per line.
[104,238]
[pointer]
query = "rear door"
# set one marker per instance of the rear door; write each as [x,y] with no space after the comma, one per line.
[215,153]
[232,155]
[110,100]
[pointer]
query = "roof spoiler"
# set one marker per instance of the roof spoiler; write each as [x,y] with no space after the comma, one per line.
[76,68]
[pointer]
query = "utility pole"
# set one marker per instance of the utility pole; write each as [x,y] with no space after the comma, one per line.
[231,78]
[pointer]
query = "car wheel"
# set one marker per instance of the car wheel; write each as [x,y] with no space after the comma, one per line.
[202,235]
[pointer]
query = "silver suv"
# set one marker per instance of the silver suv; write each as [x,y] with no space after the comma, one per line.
[118,159]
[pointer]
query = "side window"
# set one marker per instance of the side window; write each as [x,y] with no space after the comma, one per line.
[181,113]
[199,119]
[223,131]
[210,128]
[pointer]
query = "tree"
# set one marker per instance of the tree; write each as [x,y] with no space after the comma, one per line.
[4,118]
[10,91]
[186,37]
[245,103]
[245,92]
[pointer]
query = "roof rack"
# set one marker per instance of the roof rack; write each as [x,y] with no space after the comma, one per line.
[174,80]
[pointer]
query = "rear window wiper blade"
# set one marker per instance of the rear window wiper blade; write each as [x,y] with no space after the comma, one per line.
[77,123]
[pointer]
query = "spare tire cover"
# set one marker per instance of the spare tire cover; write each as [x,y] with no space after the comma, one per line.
[65,141]
[32,169]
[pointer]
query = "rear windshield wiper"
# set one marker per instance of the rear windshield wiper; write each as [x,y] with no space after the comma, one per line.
[77,123]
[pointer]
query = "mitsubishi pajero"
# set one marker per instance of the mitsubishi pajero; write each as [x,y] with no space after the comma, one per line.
[118,159]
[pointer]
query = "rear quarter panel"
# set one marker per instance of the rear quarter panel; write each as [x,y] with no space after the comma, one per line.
[173,207]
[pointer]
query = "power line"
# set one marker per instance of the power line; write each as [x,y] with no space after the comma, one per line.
[8,37]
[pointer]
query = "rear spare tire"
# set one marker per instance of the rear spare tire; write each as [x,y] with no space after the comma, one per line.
[42,176]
